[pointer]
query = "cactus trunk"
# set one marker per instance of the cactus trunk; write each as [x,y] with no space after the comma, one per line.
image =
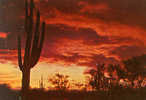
[25,84]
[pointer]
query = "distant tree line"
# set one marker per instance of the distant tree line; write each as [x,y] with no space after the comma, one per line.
[130,73]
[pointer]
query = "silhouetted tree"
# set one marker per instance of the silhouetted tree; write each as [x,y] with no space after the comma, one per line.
[136,68]
[60,81]
[103,78]
[110,78]
[120,73]
[33,45]
[98,80]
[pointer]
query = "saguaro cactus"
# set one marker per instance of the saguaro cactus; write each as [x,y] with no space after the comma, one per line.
[33,46]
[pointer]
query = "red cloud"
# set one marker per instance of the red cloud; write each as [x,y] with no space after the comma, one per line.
[79,31]
[3,35]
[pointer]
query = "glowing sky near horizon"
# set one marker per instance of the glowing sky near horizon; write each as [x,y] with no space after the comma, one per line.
[11,75]
[79,34]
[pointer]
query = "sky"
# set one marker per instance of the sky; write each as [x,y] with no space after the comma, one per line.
[79,34]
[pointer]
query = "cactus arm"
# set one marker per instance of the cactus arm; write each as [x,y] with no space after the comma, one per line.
[42,36]
[37,31]
[31,17]
[19,54]
[41,40]
[36,35]
[39,48]
[34,51]
[26,15]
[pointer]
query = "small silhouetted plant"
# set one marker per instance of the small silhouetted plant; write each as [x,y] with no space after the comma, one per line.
[80,85]
[41,83]
[60,81]
[33,45]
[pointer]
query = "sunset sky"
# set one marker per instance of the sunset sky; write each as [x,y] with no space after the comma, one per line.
[79,34]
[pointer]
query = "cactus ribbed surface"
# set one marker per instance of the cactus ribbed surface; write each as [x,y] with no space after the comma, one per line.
[33,46]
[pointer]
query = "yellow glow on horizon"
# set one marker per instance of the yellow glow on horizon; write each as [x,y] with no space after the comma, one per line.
[11,75]
[47,70]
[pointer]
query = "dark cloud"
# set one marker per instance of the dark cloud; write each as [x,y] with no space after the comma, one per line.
[124,11]
[88,35]
[125,51]
[65,6]
[115,18]
[99,59]
[11,22]
[10,17]
[82,60]
[58,31]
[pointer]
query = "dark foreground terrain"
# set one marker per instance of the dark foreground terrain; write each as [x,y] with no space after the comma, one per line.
[118,94]
[7,94]
[38,94]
